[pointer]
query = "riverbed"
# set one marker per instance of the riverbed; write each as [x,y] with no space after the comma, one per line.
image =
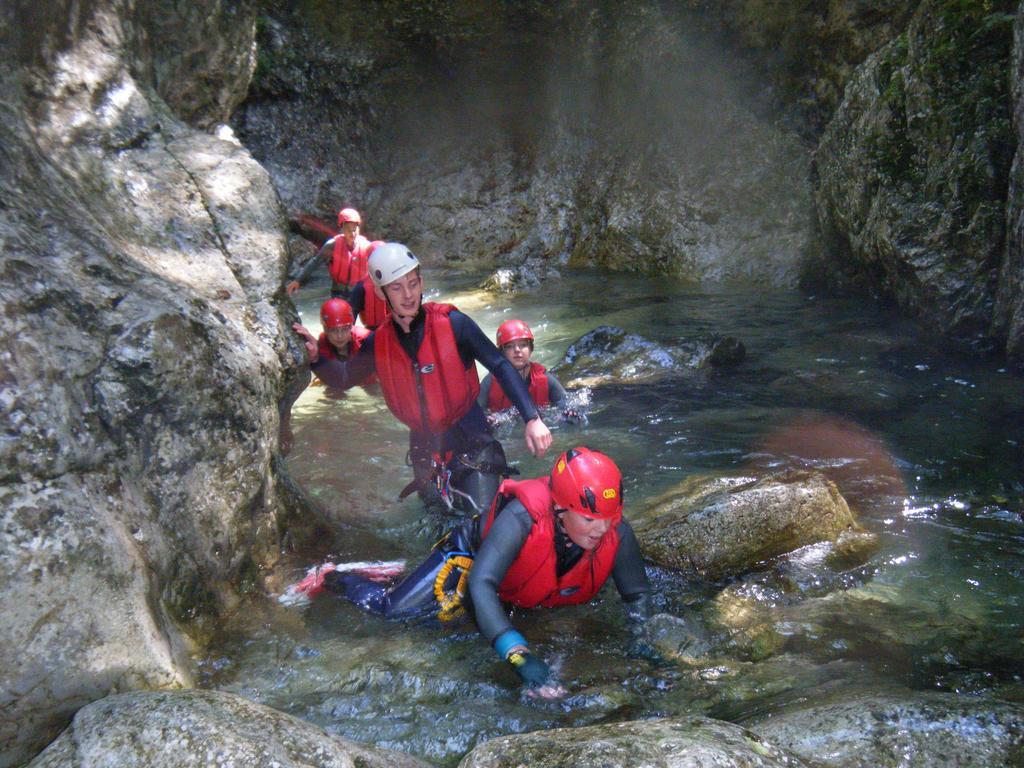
[927,448]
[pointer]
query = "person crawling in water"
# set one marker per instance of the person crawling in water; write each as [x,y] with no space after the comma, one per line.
[547,541]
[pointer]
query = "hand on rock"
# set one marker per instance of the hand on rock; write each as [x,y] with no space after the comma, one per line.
[309,340]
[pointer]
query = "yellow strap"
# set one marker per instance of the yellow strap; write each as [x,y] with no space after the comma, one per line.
[450,603]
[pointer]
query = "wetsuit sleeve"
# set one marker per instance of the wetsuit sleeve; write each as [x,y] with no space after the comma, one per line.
[344,374]
[471,341]
[493,559]
[357,298]
[321,256]
[556,392]
[485,387]
[630,575]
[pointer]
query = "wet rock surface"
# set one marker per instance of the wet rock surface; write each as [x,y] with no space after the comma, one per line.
[670,742]
[912,171]
[891,728]
[203,728]
[725,526]
[1009,310]
[611,355]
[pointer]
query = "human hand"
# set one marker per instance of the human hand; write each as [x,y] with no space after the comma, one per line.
[538,437]
[536,675]
[291,287]
[572,416]
[309,340]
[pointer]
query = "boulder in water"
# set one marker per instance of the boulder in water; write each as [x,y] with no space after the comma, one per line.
[181,729]
[668,742]
[925,729]
[611,355]
[722,527]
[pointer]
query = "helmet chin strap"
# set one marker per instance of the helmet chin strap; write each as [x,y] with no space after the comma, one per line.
[411,317]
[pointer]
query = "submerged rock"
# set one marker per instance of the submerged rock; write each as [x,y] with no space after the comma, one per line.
[610,355]
[669,742]
[721,527]
[196,728]
[924,729]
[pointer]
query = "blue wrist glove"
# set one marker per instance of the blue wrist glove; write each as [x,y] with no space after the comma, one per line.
[534,672]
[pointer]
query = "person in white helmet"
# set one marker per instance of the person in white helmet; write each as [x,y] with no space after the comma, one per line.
[424,357]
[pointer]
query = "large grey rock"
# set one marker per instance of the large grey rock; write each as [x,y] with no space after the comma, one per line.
[695,742]
[725,526]
[912,171]
[886,729]
[145,354]
[186,729]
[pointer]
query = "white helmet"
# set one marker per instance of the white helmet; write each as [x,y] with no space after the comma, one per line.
[390,261]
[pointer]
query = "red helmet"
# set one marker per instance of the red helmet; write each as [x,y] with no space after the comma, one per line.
[587,482]
[335,313]
[349,214]
[513,330]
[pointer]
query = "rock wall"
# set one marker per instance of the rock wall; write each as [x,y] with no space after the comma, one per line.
[473,132]
[912,170]
[144,350]
[1009,311]
[478,135]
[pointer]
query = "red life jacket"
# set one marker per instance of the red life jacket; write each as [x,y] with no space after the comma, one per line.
[328,352]
[433,392]
[375,310]
[349,266]
[497,400]
[531,580]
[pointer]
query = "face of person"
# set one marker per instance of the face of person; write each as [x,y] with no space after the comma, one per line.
[518,353]
[349,230]
[584,531]
[340,336]
[405,293]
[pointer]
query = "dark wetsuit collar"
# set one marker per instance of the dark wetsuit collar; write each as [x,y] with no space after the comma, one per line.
[567,553]
[412,339]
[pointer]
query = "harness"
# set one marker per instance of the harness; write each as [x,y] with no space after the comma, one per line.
[451,582]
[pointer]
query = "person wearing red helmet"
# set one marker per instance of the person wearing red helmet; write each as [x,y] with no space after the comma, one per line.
[515,340]
[340,339]
[346,256]
[425,356]
[545,542]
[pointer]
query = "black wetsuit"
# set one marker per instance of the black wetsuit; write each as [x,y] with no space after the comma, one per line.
[414,595]
[470,435]
[356,298]
[556,392]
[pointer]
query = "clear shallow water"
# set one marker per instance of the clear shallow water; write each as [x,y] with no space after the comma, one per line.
[927,448]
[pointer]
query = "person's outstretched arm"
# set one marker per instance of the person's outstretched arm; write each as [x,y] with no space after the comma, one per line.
[470,338]
[492,561]
[630,575]
[323,255]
